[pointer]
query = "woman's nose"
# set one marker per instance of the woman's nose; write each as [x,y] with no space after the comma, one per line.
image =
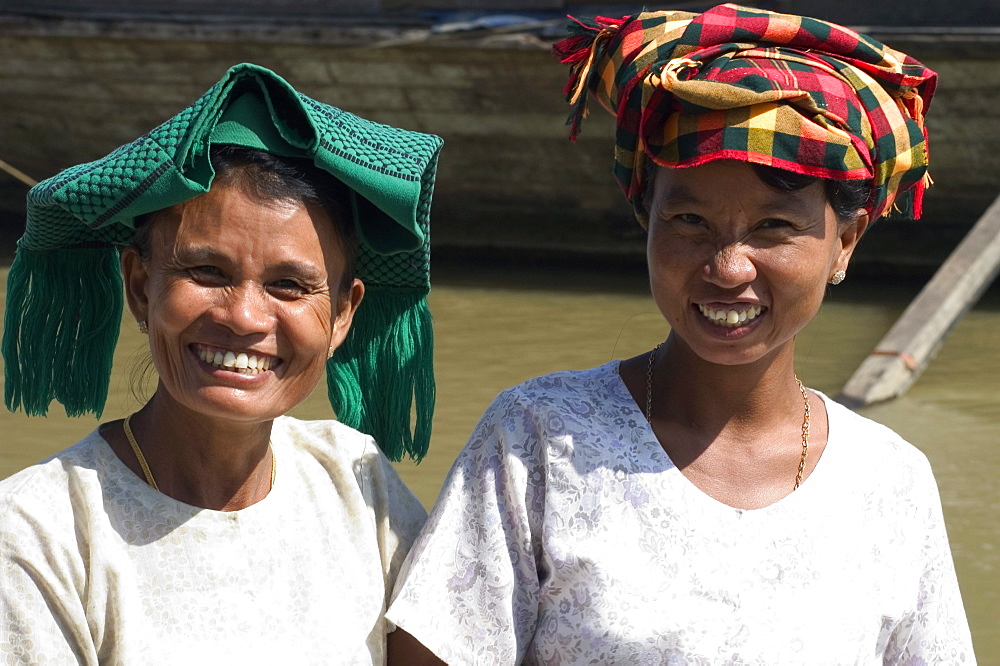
[246,310]
[731,266]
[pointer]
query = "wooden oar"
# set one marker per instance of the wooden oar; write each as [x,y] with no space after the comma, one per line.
[17,173]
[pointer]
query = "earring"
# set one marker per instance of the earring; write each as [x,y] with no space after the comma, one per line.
[838,277]
[329,353]
[143,327]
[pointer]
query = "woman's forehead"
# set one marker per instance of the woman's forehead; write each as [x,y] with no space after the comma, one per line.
[723,181]
[230,220]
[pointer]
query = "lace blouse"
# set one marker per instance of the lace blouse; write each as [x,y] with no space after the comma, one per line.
[96,567]
[565,535]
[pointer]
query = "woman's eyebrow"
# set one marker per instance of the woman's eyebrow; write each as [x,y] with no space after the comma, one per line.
[200,255]
[301,269]
[677,195]
[210,256]
[789,203]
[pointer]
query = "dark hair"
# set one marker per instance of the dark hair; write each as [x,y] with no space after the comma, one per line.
[267,177]
[845,196]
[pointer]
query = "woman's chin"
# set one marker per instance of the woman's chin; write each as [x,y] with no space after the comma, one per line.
[731,357]
[234,407]
[236,400]
[731,346]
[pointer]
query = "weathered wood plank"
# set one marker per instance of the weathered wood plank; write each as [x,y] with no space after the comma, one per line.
[911,343]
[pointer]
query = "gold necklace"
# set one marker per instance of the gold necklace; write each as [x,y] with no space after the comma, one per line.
[805,416]
[805,434]
[649,383]
[145,466]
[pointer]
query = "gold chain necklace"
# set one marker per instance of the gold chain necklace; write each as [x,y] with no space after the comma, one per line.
[145,466]
[805,416]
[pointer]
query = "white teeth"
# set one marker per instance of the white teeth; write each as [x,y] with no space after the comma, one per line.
[731,318]
[241,362]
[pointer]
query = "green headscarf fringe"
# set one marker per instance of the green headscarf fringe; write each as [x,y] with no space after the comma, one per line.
[390,351]
[61,324]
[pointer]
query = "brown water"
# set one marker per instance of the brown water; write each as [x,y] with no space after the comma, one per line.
[495,328]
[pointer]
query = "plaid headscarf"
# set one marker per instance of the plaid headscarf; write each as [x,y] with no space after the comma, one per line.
[740,83]
[64,289]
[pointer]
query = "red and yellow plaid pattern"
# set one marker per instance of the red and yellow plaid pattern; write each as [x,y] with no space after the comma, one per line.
[740,83]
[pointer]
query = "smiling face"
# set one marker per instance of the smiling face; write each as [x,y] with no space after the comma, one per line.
[737,267]
[242,304]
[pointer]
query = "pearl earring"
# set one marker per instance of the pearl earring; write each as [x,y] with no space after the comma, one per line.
[838,277]
[329,353]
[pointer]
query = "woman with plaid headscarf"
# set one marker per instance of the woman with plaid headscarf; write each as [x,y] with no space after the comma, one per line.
[697,504]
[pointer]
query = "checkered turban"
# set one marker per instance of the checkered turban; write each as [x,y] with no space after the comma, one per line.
[739,83]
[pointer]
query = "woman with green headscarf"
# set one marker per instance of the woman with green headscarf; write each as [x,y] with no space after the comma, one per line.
[697,504]
[263,238]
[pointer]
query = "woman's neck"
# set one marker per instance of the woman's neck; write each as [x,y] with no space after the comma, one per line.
[197,459]
[734,431]
[750,395]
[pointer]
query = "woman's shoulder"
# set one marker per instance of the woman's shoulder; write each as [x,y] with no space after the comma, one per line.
[56,470]
[49,488]
[322,433]
[867,432]
[528,418]
[596,382]
[331,452]
[338,449]
[881,447]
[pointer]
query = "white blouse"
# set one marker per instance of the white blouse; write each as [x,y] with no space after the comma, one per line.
[565,535]
[96,567]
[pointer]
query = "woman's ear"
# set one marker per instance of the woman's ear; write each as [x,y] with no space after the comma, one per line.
[136,275]
[850,234]
[347,304]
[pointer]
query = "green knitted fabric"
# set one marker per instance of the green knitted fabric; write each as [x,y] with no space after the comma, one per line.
[64,295]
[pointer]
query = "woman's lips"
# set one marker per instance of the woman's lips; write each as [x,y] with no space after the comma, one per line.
[235,360]
[731,315]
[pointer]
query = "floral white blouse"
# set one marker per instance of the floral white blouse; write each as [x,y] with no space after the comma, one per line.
[96,567]
[565,535]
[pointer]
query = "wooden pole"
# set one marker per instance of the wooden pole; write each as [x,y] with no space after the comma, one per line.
[911,343]
[17,173]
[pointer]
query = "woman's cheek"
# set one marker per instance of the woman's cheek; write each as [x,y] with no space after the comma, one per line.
[311,320]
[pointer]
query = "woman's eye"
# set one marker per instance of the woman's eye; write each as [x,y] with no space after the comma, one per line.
[210,273]
[690,218]
[775,223]
[287,287]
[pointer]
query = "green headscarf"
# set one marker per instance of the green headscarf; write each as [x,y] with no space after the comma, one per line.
[64,289]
